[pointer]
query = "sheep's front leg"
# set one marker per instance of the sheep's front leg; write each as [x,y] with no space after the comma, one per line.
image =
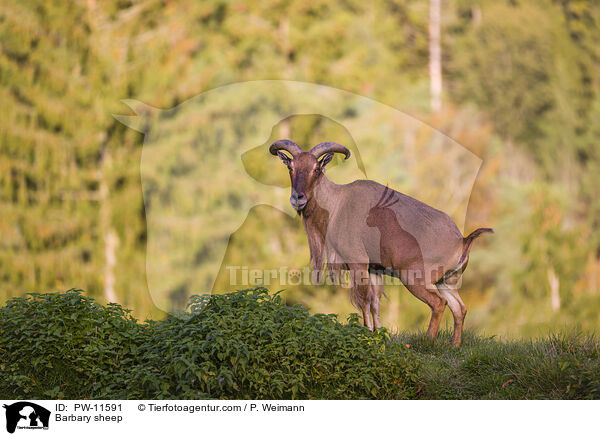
[375,292]
[360,291]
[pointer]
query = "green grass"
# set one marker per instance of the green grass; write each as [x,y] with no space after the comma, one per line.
[561,366]
[250,345]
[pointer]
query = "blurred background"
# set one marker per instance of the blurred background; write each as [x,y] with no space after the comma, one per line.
[515,83]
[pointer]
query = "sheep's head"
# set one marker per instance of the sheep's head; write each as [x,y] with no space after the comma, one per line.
[306,168]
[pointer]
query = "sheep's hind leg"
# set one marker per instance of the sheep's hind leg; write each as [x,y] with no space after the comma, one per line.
[458,308]
[434,300]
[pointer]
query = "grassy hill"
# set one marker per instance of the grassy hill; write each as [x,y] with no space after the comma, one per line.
[250,345]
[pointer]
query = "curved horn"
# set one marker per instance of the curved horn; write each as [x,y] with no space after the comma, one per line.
[287,145]
[328,147]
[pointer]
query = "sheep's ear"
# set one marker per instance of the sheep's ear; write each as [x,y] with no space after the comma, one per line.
[326,159]
[286,160]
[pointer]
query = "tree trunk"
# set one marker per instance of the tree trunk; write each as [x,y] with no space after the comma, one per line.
[554,283]
[111,240]
[435,55]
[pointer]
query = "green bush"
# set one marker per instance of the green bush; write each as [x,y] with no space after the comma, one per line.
[246,344]
[65,346]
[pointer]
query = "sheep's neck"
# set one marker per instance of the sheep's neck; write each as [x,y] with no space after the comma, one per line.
[316,219]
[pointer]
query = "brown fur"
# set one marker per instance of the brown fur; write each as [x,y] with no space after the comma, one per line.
[371,230]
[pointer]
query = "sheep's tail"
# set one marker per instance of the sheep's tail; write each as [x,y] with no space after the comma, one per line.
[467,242]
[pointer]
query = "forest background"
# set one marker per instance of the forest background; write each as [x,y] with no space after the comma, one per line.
[515,82]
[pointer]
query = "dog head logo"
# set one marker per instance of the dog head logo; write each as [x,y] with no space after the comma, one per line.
[26,415]
[207,175]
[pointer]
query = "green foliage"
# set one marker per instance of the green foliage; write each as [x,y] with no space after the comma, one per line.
[246,344]
[529,64]
[249,345]
[548,246]
[65,345]
[504,64]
